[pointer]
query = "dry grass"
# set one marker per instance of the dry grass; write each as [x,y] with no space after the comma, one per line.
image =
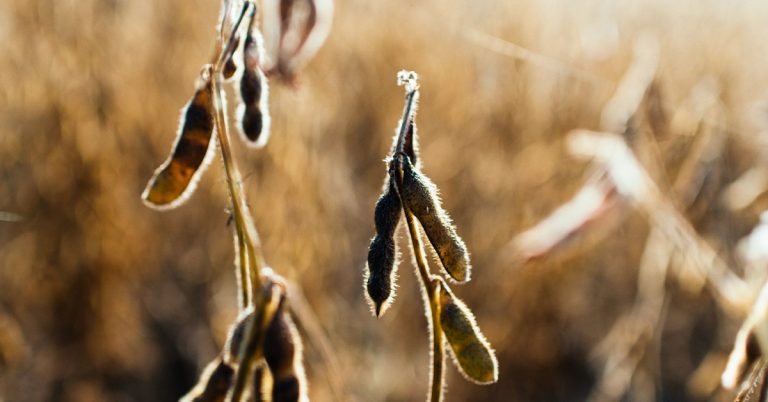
[103,299]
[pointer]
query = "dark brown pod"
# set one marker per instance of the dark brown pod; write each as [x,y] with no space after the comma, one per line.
[253,112]
[472,353]
[236,335]
[214,383]
[283,354]
[175,179]
[382,253]
[411,143]
[230,66]
[419,195]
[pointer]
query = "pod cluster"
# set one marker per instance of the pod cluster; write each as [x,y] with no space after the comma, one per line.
[279,377]
[408,191]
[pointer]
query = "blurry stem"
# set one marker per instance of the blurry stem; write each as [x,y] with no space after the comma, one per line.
[251,350]
[430,290]
[245,229]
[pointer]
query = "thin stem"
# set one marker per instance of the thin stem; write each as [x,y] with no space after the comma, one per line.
[438,346]
[438,350]
[251,258]
[411,97]
[242,273]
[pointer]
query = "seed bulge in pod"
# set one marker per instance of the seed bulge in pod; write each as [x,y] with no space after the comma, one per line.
[420,196]
[253,112]
[471,352]
[382,253]
[175,179]
[283,353]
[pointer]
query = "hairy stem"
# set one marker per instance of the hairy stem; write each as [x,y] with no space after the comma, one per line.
[251,351]
[244,227]
[430,292]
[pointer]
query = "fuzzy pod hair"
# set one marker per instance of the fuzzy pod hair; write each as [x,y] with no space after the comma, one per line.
[214,383]
[175,180]
[472,354]
[419,195]
[283,354]
[253,111]
[380,269]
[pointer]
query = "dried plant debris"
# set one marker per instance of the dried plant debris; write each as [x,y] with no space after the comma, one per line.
[297,31]
[175,179]
[472,353]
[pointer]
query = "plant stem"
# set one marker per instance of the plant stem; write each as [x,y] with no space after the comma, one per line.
[251,260]
[251,350]
[430,293]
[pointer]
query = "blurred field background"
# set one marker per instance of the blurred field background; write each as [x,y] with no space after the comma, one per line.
[103,299]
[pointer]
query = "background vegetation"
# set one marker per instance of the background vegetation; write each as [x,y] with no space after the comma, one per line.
[103,299]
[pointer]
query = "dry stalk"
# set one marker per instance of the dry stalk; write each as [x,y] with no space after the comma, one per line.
[408,191]
[264,322]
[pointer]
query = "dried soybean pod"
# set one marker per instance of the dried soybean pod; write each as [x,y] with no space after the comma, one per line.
[411,143]
[282,352]
[419,195]
[382,253]
[253,111]
[236,335]
[230,66]
[471,351]
[214,383]
[175,179]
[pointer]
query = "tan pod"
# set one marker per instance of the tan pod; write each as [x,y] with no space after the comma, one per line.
[175,179]
[471,351]
[419,195]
